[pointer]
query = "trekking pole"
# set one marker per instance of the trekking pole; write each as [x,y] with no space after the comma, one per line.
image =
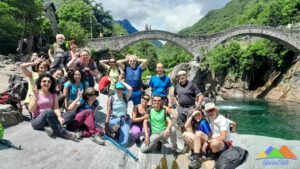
[9,144]
[124,149]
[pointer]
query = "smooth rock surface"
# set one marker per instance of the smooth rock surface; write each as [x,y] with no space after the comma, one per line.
[9,115]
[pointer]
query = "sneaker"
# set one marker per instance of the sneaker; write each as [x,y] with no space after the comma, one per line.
[69,135]
[78,134]
[48,130]
[159,144]
[98,139]
[195,164]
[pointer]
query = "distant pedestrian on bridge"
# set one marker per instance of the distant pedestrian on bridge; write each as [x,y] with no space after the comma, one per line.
[133,75]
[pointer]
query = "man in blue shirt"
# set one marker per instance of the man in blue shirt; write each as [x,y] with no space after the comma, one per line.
[133,75]
[160,84]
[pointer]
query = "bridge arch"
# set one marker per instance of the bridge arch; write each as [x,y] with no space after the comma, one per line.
[195,44]
[118,43]
[281,36]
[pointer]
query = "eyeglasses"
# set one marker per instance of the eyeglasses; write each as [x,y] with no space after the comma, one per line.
[210,111]
[46,81]
[145,98]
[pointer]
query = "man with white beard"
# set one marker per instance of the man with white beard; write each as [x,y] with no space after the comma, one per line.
[57,53]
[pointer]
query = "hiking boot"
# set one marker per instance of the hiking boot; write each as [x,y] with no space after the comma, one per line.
[195,164]
[138,141]
[209,156]
[159,144]
[191,157]
[69,135]
[48,130]
[98,139]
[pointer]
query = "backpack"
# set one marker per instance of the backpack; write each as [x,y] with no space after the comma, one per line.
[15,92]
[231,158]
[17,86]
[1,131]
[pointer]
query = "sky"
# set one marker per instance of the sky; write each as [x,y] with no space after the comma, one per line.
[168,15]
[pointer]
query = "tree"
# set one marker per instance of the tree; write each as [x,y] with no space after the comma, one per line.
[19,19]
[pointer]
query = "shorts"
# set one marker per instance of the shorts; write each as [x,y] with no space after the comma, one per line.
[183,114]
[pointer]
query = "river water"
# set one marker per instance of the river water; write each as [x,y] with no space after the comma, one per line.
[267,118]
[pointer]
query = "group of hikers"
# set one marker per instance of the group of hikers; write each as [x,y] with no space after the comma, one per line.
[62,100]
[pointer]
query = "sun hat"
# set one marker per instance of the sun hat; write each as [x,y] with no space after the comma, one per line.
[120,85]
[210,106]
[90,91]
[181,72]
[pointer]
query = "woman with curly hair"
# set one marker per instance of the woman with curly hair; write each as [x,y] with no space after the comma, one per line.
[43,104]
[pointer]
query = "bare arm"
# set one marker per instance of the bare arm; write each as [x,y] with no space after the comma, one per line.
[144,63]
[74,105]
[104,63]
[222,135]
[50,54]
[66,94]
[24,69]
[109,110]
[32,104]
[129,89]
[121,66]
[57,110]
[70,64]
[199,100]
[147,135]
[188,123]
[169,125]
[170,96]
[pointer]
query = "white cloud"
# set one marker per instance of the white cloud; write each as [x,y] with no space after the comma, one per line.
[169,15]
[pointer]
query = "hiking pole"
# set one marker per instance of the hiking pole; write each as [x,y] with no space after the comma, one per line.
[124,149]
[9,144]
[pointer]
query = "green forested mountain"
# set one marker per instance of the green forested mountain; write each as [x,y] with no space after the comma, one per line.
[252,58]
[240,12]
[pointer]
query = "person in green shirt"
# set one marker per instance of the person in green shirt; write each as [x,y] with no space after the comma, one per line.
[160,126]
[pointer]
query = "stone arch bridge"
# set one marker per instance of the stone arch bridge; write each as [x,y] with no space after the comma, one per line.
[196,45]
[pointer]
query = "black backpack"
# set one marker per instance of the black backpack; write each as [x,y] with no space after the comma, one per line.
[17,86]
[231,158]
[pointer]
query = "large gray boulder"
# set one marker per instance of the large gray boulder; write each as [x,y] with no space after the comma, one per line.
[9,115]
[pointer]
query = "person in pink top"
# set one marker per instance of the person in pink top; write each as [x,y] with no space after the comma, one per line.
[43,104]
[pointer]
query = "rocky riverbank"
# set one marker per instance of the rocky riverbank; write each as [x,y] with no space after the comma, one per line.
[279,86]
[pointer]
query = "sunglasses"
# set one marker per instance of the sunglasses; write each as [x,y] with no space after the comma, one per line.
[93,94]
[46,81]
[147,99]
